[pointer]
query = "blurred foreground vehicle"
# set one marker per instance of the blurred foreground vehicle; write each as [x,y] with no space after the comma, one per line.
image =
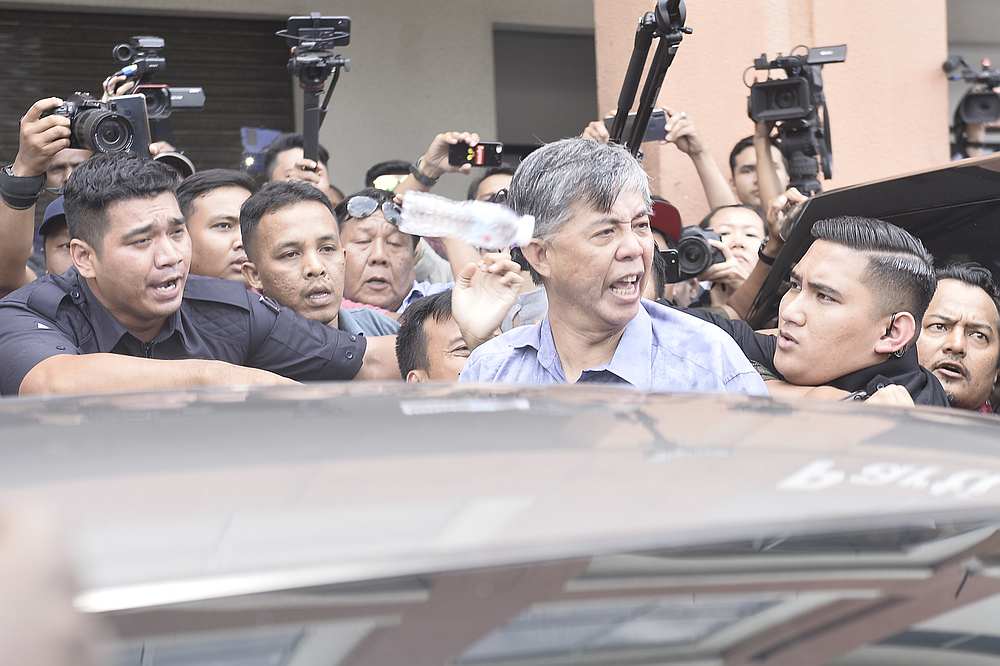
[355,525]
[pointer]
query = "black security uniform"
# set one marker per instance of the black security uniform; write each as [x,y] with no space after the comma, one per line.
[217,320]
[922,385]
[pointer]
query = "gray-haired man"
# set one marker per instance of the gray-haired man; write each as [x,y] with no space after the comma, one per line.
[593,251]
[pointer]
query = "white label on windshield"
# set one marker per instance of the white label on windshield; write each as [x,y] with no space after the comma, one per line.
[471,405]
[824,474]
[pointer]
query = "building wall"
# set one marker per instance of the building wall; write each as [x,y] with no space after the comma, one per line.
[888,102]
[417,68]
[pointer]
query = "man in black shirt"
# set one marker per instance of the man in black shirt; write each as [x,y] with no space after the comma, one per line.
[128,316]
[848,325]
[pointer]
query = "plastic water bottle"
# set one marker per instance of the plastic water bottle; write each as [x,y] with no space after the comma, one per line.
[479,223]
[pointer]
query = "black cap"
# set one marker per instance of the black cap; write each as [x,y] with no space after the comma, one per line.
[54,214]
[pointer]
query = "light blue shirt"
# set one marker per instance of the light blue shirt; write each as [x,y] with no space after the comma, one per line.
[661,349]
[421,289]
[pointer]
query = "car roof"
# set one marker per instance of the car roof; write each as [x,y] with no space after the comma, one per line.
[212,492]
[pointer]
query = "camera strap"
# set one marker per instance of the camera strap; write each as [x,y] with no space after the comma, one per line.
[20,192]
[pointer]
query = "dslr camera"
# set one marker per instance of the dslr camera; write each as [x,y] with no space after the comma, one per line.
[695,254]
[116,126]
[797,106]
[142,56]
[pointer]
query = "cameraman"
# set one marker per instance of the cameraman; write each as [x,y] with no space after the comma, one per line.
[285,160]
[759,171]
[40,140]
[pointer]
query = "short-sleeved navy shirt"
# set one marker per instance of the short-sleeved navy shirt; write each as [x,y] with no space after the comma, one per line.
[218,320]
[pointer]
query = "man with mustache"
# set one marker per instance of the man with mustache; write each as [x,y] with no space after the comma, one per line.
[960,342]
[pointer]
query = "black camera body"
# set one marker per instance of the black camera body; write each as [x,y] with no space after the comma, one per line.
[116,126]
[979,104]
[694,252]
[143,52]
[143,57]
[797,106]
[313,39]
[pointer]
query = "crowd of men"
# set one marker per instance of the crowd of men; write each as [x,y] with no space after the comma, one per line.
[136,280]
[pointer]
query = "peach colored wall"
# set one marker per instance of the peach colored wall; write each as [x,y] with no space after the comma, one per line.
[888,102]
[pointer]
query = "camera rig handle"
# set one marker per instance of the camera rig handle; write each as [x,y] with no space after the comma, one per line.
[666,24]
[313,62]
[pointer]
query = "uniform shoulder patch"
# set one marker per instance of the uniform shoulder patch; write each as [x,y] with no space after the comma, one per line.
[45,297]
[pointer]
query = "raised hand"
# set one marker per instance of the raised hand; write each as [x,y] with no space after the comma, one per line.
[484,293]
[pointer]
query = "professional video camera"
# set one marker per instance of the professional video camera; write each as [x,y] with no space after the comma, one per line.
[312,40]
[980,104]
[143,57]
[797,106]
[116,126]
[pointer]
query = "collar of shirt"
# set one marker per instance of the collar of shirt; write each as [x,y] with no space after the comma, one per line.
[921,384]
[421,289]
[109,330]
[631,362]
[347,323]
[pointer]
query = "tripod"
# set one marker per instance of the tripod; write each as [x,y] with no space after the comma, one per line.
[665,23]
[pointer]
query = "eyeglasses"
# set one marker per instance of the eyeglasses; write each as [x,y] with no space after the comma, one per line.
[361,207]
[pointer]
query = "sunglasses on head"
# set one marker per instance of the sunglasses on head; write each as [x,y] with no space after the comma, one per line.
[361,207]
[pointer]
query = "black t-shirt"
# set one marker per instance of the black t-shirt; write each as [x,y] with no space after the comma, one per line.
[218,320]
[923,386]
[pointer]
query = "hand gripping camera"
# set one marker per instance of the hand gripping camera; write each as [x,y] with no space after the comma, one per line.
[116,126]
[797,106]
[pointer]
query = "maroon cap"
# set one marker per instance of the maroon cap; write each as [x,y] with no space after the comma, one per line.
[666,219]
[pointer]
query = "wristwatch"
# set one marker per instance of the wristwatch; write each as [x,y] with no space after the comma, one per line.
[20,192]
[422,178]
[768,261]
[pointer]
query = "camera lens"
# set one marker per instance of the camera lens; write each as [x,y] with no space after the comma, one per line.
[786,99]
[157,102]
[123,52]
[694,255]
[103,131]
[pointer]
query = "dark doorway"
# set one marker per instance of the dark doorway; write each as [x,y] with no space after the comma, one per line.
[240,64]
[546,85]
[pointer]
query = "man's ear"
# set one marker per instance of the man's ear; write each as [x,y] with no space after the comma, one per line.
[252,277]
[900,332]
[417,377]
[84,258]
[537,255]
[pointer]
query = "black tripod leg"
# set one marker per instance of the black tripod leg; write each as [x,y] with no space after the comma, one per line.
[665,52]
[636,65]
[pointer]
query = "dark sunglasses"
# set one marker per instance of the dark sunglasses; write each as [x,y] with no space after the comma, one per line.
[361,207]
